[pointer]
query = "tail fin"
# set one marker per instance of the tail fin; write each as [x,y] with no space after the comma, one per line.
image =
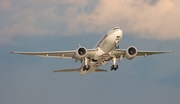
[67,70]
[101,70]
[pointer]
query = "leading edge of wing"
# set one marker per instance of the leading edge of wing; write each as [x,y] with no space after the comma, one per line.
[144,53]
[42,53]
[56,54]
[119,52]
[49,52]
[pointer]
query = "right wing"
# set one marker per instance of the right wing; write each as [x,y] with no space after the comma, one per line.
[54,54]
[67,70]
[57,54]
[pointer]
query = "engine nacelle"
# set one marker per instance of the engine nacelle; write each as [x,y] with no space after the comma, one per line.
[131,52]
[80,53]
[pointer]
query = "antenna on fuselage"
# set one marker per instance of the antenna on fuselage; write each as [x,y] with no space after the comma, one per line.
[79,45]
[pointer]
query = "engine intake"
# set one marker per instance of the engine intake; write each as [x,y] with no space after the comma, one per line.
[80,53]
[131,52]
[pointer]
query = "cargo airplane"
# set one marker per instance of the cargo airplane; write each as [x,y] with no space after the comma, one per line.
[106,50]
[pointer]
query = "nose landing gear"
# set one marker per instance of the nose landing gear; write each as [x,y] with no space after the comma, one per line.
[116,47]
[86,67]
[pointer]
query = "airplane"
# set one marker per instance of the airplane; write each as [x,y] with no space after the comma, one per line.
[107,49]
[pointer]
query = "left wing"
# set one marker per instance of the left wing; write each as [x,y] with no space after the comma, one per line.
[118,52]
[56,54]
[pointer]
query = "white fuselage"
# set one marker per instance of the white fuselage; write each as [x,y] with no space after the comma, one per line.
[104,48]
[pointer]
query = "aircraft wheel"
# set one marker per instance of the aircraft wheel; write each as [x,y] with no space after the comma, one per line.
[114,67]
[86,67]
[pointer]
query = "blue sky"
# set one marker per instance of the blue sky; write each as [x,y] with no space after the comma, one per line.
[61,25]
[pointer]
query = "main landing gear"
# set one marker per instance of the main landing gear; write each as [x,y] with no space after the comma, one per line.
[86,67]
[114,66]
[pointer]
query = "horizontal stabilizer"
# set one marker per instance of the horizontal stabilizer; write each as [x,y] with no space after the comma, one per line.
[101,70]
[67,70]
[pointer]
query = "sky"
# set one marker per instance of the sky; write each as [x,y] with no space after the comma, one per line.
[52,25]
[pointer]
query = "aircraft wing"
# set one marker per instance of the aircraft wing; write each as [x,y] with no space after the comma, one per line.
[77,70]
[67,70]
[119,52]
[144,53]
[56,54]
[101,70]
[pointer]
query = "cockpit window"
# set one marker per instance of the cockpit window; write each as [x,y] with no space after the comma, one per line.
[115,28]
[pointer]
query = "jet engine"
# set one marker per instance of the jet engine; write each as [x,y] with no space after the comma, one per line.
[131,52]
[80,53]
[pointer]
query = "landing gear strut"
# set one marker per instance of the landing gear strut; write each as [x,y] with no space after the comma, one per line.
[116,47]
[86,66]
[114,66]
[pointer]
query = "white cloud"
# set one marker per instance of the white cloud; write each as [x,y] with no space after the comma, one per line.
[5,4]
[157,19]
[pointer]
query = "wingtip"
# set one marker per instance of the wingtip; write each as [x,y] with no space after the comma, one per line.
[55,71]
[171,51]
[12,52]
